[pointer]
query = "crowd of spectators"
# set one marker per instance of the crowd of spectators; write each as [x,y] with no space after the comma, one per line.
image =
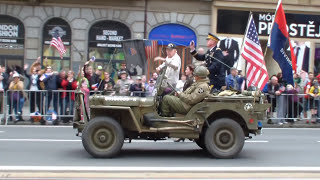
[294,102]
[288,102]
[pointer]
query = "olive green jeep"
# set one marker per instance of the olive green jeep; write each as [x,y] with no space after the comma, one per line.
[219,124]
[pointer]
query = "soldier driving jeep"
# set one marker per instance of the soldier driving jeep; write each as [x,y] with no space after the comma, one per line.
[182,102]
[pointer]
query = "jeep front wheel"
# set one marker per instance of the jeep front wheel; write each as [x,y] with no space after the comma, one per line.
[103,137]
[224,138]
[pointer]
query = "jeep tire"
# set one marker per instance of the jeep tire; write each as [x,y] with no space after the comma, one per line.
[224,138]
[103,137]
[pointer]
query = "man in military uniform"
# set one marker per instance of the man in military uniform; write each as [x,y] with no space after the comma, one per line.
[182,102]
[216,67]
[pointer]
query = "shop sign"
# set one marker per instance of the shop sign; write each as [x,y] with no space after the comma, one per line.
[299,25]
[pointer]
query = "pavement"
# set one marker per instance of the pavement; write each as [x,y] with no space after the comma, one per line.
[46,152]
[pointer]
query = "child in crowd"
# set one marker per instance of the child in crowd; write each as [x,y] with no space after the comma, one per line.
[315,106]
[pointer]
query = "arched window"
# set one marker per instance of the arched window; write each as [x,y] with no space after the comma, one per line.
[11,41]
[50,52]
[104,44]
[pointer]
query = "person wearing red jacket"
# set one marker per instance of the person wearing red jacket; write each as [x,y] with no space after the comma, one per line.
[69,84]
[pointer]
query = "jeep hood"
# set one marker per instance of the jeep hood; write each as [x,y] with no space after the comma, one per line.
[101,100]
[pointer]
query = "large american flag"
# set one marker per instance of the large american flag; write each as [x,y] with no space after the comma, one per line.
[151,48]
[257,74]
[57,43]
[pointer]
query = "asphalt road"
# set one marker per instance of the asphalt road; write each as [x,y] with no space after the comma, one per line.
[25,148]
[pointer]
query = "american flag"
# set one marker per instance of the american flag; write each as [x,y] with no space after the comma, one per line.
[257,74]
[57,43]
[151,47]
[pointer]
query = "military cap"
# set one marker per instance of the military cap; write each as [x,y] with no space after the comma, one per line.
[213,37]
[201,71]
[171,46]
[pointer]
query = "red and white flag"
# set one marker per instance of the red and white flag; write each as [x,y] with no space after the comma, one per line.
[257,74]
[57,43]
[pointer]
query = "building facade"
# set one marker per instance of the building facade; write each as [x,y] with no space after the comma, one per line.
[94,28]
[229,19]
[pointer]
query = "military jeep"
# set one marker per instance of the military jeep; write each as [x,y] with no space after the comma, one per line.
[219,124]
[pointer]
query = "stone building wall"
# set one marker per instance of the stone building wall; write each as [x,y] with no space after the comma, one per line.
[81,19]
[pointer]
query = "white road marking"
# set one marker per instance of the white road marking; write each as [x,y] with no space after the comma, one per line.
[2,131]
[318,141]
[158,169]
[133,141]
[33,126]
[42,140]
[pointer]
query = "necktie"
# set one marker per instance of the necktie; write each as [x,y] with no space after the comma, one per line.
[297,52]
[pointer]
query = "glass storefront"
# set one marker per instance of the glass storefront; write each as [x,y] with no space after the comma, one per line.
[11,42]
[104,44]
[50,52]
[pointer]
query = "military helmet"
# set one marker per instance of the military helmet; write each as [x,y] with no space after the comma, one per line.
[201,71]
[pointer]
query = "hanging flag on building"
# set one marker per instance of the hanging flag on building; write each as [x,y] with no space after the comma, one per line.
[279,40]
[257,74]
[151,47]
[57,43]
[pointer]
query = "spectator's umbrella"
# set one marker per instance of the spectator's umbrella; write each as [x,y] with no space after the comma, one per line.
[135,55]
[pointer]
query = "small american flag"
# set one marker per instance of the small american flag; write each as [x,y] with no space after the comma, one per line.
[151,47]
[57,43]
[257,74]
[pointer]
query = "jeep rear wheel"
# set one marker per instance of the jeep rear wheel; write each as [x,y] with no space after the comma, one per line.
[103,137]
[224,138]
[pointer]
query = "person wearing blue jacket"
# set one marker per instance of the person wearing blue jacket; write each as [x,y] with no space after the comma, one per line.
[233,81]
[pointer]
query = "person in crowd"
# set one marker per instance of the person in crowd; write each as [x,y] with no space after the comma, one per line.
[144,81]
[89,73]
[107,83]
[151,87]
[190,80]
[201,51]
[123,84]
[17,97]
[69,84]
[173,63]
[233,81]
[86,91]
[214,62]
[273,87]
[3,86]
[138,88]
[307,101]
[96,78]
[155,76]
[123,67]
[294,108]
[309,78]
[315,105]
[181,82]
[34,87]
[51,82]
[281,99]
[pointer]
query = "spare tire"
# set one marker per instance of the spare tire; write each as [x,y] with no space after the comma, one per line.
[224,138]
[103,137]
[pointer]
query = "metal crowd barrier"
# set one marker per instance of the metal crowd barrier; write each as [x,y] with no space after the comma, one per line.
[43,106]
[293,107]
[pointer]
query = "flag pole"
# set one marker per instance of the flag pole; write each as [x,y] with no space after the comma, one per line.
[265,52]
[242,45]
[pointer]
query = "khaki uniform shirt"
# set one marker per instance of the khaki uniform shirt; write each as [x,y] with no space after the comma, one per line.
[195,93]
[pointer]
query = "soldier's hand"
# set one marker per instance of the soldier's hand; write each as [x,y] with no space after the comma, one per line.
[224,88]
[225,53]
[157,69]
[192,46]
